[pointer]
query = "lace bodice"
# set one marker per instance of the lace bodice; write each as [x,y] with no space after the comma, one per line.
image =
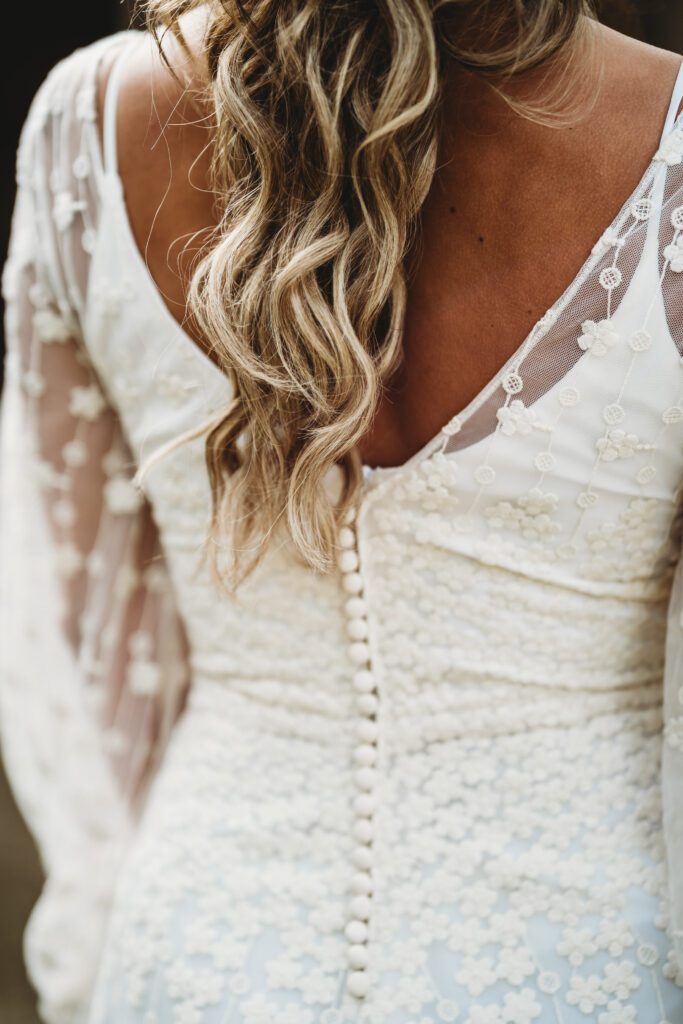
[364,796]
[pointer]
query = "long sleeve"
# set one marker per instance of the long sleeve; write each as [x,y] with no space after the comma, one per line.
[93,659]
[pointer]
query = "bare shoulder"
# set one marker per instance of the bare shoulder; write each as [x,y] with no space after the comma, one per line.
[165,133]
[638,72]
[158,93]
[182,66]
[164,136]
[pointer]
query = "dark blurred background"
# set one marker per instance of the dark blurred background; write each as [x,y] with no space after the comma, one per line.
[58,29]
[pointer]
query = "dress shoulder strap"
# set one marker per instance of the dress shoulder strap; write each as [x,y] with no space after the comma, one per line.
[110,107]
[676,97]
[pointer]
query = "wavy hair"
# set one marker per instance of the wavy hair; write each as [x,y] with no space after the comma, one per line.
[326,130]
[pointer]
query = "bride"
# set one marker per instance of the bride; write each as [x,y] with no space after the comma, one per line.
[342,450]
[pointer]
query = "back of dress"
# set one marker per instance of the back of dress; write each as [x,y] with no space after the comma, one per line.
[424,788]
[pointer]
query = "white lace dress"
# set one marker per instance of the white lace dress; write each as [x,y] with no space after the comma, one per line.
[442,784]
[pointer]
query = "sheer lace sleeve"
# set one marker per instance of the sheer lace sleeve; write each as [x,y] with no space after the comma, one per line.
[93,665]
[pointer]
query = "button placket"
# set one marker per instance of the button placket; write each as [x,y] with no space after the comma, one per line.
[364,756]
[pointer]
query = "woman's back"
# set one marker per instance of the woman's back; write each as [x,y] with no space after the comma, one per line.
[507,191]
[425,786]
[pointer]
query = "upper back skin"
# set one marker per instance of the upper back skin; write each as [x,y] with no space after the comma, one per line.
[516,192]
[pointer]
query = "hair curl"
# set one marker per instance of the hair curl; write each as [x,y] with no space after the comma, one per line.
[325,143]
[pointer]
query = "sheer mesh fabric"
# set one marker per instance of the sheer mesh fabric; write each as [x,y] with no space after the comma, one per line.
[93,655]
[672,293]
[550,350]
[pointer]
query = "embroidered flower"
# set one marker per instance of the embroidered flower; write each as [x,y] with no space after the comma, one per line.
[294,1015]
[156,581]
[640,341]
[674,254]
[504,515]
[175,386]
[516,418]
[484,474]
[616,1013]
[207,986]
[187,1013]
[627,546]
[617,444]
[452,427]
[144,678]
[239,984]
[34,383]
[484,1015]
[39,295]
[468,936]
[531,514]
[639,513]
[507,927]
[257,1010]
[647,954]
[75,453]
[446,1010]
[47,476]
[569,396]
[672,414]
[671,150]
[87,402]
[545,462]
[514,965]
[121,496]
[671,969]
[440,473]
[642,209]
[615,936]
[51,325]
[329,1016]
[606,241]
[115,461]
[109,296]
[315,986]
[88,239]
[81,166]
[673,733]
[586,992]
[576,945]
[68,560]
[548,982]
[621,979]
[64,209]
[597,337]
[476,973]
[610,278]
[521,1007]
[230,952]
[64,513]
[200,936]
[537,502]
[86,104]
[477,900]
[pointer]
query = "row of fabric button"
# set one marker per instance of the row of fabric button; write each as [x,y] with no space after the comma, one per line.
[365,759]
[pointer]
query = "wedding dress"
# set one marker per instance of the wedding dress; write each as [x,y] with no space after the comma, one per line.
[444,783]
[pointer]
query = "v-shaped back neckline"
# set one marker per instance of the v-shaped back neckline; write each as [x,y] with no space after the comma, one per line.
[110,172]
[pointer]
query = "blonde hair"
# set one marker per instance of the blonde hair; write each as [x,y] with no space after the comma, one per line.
[326,130]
